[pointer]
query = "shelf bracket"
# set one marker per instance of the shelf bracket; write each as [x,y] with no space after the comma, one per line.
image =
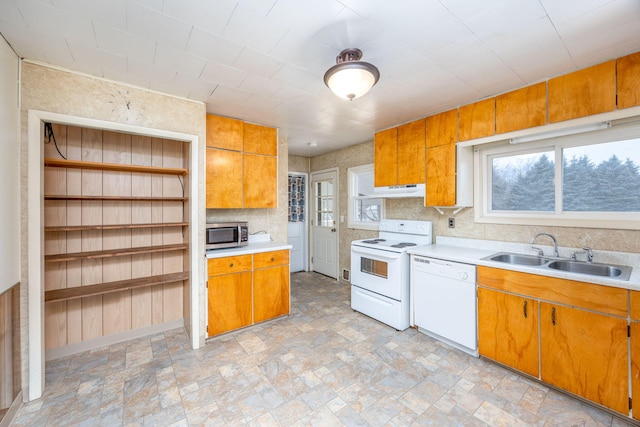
[456,209]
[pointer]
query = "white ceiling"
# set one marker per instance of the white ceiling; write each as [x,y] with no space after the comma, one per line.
[263,60]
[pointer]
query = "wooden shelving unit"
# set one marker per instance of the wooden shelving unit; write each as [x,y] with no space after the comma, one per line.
[115,226]
[117,198]
[105,288]
[116,254]
[115,167]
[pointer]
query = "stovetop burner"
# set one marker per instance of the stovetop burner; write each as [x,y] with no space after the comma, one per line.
[373,241]
[403,245]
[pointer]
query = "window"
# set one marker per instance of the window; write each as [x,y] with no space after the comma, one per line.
[588,180]
[364,211]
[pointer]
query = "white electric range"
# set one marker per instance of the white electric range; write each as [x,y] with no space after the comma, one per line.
[380,271]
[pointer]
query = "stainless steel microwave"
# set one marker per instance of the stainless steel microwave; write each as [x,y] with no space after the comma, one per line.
[227,235]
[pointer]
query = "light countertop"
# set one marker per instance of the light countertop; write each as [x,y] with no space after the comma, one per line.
[471,251]
[251,248]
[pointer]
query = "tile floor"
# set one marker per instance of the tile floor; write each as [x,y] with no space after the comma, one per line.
[324,365]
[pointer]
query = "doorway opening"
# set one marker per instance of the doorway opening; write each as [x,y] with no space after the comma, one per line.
[298,214]
[324,227]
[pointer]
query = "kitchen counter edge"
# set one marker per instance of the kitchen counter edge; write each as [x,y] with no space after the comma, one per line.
[474,256]
[252,248]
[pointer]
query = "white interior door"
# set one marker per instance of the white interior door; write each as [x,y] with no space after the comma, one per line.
[298,232]
[324,227]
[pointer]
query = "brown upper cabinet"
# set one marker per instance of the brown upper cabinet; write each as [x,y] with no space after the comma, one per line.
[385,157]
[224,132]
[224,179]
[244,174]
[260,139]
[583,93]
[522,108]
[629,81]
[399,155]
[442,129]
[411,152]
[477,120]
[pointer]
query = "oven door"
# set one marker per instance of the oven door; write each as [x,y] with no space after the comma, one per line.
[377,270]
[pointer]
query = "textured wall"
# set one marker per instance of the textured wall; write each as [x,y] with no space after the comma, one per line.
[355,155]
[298,164]
[58,91]
[9,168]
[362,154]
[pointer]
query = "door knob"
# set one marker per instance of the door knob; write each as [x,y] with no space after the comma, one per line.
[333,230]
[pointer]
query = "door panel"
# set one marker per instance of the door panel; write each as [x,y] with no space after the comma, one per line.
[508,329]
[585,353]
[270,293]
[229,302]
[324,231]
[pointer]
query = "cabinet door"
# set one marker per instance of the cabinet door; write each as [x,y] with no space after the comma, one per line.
[224,132]
[586,354]
[629,82]
[522,108]
[635,368]
[411,161]
[441,176]
[508,329]
[260,181]
[270,293]
[442,129]
[385,157]
[229,302]
[583,92]
[224,179]
[634,312]
[260,140]
[477,120]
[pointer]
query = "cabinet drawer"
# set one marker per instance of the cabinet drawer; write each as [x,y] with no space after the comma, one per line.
[605,299]
[231,264]
[270,259]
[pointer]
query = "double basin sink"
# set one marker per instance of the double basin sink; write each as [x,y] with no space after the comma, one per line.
[611,271]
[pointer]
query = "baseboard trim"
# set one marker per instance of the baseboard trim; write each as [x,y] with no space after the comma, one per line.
[92,344]
[11,413]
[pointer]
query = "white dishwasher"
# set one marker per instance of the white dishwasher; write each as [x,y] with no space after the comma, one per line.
[444,301]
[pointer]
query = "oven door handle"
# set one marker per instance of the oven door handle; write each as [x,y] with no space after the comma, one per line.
[380,253]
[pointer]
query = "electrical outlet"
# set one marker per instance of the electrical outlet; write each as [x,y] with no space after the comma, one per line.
[452,223]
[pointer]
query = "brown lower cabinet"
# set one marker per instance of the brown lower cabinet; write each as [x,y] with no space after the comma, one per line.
[509,329]
[247,289]
[635,351]
[581,329]
[585,353]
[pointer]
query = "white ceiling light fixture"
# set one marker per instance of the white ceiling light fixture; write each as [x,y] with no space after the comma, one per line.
[351,78]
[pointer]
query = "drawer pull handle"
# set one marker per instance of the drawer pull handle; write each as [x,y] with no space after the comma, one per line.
[553,316]
[273,259]
[231,265]
[524,308]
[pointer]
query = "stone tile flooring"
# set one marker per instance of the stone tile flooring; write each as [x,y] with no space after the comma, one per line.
[324,365]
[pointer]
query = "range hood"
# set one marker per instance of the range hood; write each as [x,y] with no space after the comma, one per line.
[398,191]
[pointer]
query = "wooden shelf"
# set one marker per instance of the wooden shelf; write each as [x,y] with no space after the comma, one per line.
[108,287]
[114,252]
[116,198]
[78,164]
[116,226]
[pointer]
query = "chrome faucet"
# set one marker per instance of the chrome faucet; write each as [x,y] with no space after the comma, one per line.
[540,252]
[585,250]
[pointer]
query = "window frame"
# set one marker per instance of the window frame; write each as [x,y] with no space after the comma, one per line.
[482,182]
[352,173]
